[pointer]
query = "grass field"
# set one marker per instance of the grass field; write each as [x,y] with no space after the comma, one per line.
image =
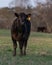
[39,50]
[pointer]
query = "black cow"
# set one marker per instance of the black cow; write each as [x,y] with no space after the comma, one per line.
[41,29]
[20,32]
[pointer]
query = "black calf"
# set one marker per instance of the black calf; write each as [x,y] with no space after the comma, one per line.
[20,32]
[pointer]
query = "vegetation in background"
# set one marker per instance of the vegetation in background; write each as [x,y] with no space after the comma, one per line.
[41,16]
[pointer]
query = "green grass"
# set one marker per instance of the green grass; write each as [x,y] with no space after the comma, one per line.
[39,50]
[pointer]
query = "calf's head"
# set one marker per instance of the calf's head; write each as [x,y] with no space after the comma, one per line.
[22,17]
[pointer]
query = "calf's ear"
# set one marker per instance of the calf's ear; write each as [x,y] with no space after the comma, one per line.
[29,17]
[16,14]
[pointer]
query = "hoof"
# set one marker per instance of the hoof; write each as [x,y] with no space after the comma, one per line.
[24,54]
[14,54]
[21,54]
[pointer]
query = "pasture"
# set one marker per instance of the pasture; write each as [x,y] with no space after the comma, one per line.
[39,50]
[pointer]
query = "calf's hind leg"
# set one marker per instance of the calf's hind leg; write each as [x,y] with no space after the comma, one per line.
[25,46]
[21,47]
[14,46]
